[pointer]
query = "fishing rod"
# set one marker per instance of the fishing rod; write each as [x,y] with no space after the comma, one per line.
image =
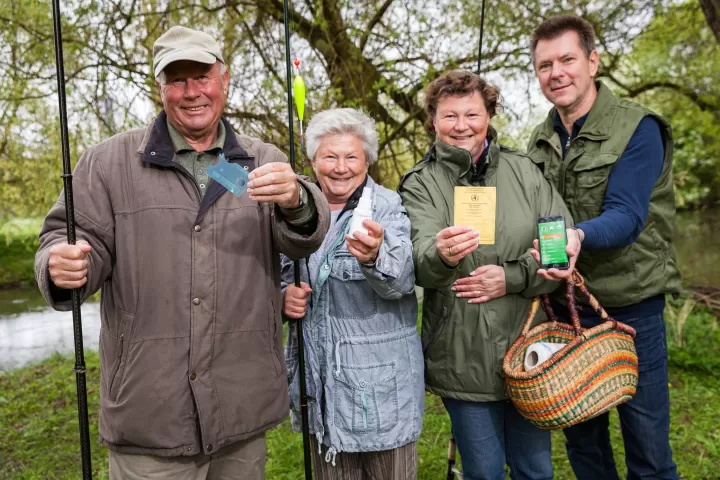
[482,30]
[296,264]
[70,224]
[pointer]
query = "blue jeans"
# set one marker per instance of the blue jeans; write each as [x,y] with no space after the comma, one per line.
[645,420]
[491,434]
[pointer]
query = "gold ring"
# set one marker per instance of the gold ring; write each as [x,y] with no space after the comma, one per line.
[450,252]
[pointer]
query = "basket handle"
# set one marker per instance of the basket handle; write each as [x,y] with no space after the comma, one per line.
[580,283]
[570,289]
[576,280]
[570,283]
[531,314]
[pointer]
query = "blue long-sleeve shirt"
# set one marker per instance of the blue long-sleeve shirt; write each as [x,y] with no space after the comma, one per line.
[626,203]
[630,185]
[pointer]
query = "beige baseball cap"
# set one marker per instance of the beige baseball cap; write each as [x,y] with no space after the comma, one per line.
[180,43]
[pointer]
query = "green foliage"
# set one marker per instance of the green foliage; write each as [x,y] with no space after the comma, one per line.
[693,329]
[18,244]
[698,246]
[38,418]
[380,58]
[673,69]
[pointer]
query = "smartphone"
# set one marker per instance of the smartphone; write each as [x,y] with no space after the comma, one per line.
[553,242]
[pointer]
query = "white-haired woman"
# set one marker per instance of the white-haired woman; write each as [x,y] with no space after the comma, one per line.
[364,364]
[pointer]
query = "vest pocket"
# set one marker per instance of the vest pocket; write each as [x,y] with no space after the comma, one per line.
[587,184]
[590,180]
[589,195]
[366,399]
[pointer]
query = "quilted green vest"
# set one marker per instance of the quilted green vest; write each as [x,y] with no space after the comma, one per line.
[618,277]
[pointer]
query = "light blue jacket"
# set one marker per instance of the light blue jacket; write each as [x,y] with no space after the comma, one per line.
[363,357]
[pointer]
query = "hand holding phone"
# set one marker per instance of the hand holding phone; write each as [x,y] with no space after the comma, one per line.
[556,265]
[553,242]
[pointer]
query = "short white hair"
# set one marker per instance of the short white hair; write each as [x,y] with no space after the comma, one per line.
[160,77]
[338,121]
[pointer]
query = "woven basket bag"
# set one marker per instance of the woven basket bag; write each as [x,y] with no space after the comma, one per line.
[596,371]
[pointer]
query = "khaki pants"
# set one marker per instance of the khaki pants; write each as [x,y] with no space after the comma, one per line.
[397,464]
[242,460]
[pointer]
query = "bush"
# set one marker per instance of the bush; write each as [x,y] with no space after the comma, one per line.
[693,336]
[18,244]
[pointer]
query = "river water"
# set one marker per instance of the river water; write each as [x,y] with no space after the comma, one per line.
[30,331]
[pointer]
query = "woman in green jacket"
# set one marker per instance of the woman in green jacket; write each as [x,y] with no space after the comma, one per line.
[477,296]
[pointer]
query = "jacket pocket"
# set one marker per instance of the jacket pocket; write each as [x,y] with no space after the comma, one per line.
[109,358]
[499,349]
[435,334]
[272,331]
[350,295]
[366,399]
[435,316]
[126,324]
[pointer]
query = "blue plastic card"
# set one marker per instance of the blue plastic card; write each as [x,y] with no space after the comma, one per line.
[230,175]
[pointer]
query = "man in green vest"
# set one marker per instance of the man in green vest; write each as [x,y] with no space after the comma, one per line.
[611,160]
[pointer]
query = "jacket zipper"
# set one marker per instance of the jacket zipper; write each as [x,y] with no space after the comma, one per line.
[192,179]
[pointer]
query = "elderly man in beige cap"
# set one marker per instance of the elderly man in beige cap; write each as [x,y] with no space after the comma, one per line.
[191,336]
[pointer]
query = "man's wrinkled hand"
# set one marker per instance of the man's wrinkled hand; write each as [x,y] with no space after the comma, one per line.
[275,183]
[68,264]
[484,284]
[295,300]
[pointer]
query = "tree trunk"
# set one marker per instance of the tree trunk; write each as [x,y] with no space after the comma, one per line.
[711,9]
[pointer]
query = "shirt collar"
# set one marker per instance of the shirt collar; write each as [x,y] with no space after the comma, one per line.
[181,145]
[577,126]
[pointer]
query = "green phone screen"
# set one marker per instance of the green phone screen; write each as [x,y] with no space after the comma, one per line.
[552,242]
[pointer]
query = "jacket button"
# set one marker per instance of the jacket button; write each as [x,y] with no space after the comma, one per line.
[196,301]
[363,385]
[345,275]
[209,448]
[193,376]
[198,228]
[189,448]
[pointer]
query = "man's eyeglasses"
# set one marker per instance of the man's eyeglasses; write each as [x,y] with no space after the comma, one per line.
[181,83]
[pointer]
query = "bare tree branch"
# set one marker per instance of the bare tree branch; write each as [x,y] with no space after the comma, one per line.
[373,22]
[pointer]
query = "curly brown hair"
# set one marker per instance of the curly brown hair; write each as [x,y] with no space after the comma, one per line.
[459,83]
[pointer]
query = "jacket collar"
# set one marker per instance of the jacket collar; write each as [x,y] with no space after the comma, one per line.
[459,161]
[157,148]
[598,123]
[355,197]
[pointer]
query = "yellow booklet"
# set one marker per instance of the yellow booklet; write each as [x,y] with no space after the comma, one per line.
[475,207]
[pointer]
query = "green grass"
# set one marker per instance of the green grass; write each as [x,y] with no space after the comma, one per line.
[39,440]
[18,243]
